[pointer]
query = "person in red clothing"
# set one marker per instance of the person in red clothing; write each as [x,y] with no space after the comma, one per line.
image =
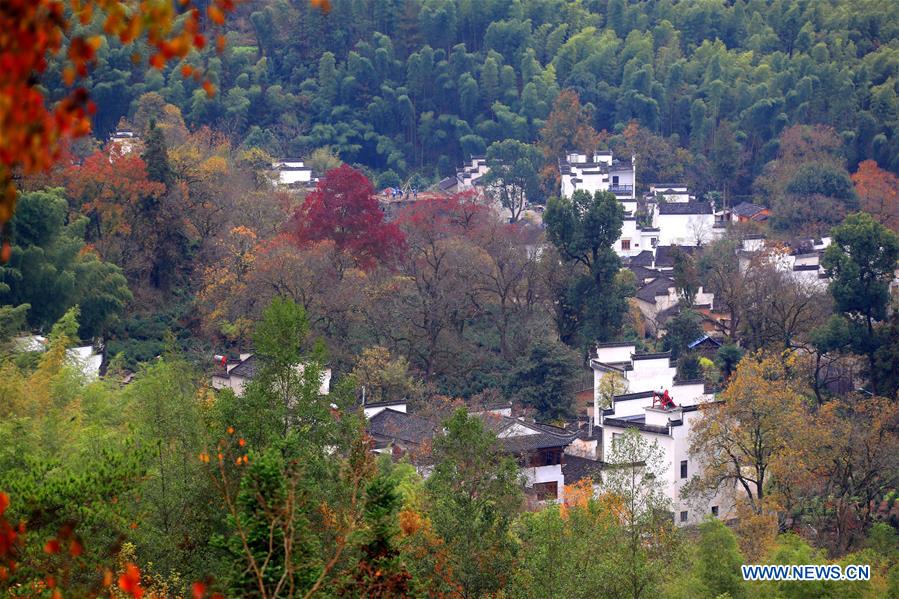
[664,401]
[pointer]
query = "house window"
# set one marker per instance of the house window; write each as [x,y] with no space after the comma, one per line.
[625,244]
[653,241]
[715,510]
[614,181]
[683,469]
[615,437]
[545,491]
[683,516]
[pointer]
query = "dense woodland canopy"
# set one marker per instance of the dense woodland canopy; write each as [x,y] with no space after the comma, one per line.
[415,86]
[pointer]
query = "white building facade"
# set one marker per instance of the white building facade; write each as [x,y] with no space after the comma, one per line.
[644,376]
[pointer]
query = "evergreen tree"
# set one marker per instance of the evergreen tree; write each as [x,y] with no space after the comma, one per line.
[156,156]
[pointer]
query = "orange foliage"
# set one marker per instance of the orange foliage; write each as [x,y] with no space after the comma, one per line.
[130,581]
[33,135]
[878,191]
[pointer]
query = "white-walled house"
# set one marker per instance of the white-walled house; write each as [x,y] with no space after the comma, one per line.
[471,173]
[539,449]
[293,174]
[599,172]
[669,192]
[84,358]
[236,375]
[125,141]
[659,297]
[689,223]
[646,375]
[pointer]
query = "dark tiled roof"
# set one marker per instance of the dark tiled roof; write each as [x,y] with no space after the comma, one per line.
[659,286]
[545,436]
[747,209]
[644,258]
[246,369]
[800,267]
[394,425]
[536,441]
[691,207]
[616,344]
[704,339]
[637,395]
[642,273]
[665,253]
[576,469]
[447,183]
[637,424]
[651,355]
[663,316]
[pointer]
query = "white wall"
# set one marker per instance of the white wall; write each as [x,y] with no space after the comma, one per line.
[650,375]
[375,410]
[683,229]
[545,474]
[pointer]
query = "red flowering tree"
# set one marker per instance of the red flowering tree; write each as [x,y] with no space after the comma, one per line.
[343,209]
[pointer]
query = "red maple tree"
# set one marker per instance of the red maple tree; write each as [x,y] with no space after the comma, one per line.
[343,209]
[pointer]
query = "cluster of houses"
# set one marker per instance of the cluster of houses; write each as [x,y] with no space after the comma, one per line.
[652,400]
[663,224]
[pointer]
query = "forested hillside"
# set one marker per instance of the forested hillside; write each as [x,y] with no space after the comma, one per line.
[417,85]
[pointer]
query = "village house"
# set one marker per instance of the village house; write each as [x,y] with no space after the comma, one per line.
[470,174]
[84,359]
[236,374]
[538,448]
[600,172]
[293,175]
[668,192]
[647,377]
[747,211]
[658,301]
[125,141]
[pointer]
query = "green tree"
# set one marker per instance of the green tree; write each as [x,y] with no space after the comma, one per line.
[473,495]
[680,332]
[583,230]
[569,552]
[156,156]
[514,174]
[718,560]
[544,380]
[50,270]
[635,479]
[860,261]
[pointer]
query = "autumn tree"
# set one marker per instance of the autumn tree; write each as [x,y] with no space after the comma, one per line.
[878,192]
[35,135]
[109,188]
[842,461]
[432,300]
[780,309]
[798,145]
[343,209]
[739,438]
[380,377]
[507,277]
[567,127]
